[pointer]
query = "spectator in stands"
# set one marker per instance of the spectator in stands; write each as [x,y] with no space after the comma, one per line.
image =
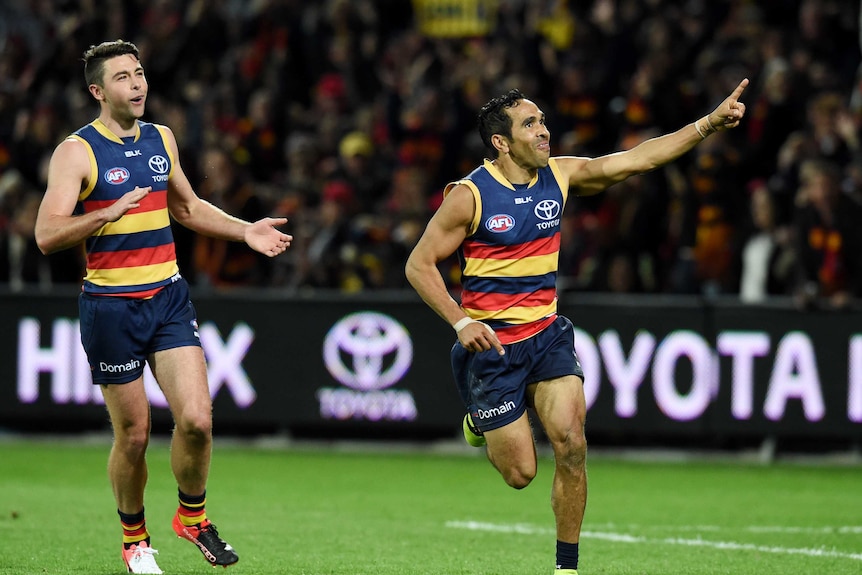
[218,262]
[328,257]
[359,164]
[829,238]
[766,258]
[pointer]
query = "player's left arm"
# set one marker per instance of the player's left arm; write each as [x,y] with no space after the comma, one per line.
[205,218]
[591,176]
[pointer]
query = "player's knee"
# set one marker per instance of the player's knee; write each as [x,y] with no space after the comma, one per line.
[132,440]
[196,426]
[518,476]
[570,449]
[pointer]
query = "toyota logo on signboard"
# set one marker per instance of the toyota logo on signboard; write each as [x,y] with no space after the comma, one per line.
[367,351]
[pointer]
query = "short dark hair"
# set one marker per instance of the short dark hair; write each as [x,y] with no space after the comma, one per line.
[493,118]
[95,56]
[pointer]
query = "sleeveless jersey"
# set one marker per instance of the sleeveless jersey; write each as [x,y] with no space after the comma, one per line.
[134,256]
[509,260]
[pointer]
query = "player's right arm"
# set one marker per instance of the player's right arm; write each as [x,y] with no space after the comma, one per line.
[68,172]
[446,230]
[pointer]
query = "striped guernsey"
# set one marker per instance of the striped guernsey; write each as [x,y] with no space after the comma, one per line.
[134,256]
[509,260]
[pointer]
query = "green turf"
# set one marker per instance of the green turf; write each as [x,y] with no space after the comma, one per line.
[320,512]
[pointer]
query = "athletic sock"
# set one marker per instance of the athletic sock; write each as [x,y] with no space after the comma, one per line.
[567,555]
[192,509]
[134,528]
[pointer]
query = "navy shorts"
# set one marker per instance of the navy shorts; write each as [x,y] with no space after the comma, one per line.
[493,387]
[119,333]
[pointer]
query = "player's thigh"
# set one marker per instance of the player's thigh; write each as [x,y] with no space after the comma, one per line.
[127,404]
[182,376]
[512,444]
[561,406]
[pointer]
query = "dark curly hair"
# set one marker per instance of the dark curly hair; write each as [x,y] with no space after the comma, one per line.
[493,118]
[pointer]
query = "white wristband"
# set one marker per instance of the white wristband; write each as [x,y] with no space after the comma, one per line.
[462,323]
[699,132]
[707,130]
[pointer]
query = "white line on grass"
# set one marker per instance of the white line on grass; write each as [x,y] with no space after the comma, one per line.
[825,530]
[527,529]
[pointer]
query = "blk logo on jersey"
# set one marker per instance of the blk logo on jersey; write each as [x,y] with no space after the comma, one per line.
[500,223]
[117,176]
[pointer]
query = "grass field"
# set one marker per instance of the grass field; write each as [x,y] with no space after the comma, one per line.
[318,511]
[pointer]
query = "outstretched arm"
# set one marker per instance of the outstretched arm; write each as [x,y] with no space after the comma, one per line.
[590,176]
[205,218]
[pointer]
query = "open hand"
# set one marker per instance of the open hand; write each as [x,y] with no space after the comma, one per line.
[128,201]
[262,236]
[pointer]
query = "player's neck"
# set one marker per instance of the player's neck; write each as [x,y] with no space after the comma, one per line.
[121,128]
[513,172]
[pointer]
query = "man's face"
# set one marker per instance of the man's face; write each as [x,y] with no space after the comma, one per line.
[124,87]
[530,144]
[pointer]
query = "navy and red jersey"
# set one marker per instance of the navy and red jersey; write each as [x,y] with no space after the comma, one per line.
[134,256]
[510,258]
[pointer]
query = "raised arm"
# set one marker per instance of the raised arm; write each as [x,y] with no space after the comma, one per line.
[590,176]
[446,230]
[56,228]
[205,218]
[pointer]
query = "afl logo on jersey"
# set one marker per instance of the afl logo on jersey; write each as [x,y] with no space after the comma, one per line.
[500,223]
[117,176]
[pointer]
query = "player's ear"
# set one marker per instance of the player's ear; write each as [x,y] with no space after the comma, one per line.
[500,143]
[96,91]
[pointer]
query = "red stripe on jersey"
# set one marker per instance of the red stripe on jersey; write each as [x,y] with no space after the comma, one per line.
[540,247]
[150,203]
[513,334]
[131,258]
[495,301]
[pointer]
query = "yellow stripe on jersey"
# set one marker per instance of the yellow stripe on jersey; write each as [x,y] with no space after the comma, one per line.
[136,223]
[523,267]
[495,173]
[558,175]
[477,212]
[107,133]
[477,199]
[94,168]
[516,315]
[132,276]
[163,133]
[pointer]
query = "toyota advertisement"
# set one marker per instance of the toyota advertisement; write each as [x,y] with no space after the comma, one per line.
[379,367]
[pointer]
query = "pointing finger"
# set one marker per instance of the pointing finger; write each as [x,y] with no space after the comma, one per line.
[739,89]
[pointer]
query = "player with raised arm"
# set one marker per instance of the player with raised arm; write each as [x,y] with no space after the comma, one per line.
[513,349]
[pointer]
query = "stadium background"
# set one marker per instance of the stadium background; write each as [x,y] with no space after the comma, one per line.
[349,117]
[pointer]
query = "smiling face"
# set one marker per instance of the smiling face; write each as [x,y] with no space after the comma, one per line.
[529,147]
[123,89]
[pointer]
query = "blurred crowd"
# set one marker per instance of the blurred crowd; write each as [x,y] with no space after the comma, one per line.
[349,116]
